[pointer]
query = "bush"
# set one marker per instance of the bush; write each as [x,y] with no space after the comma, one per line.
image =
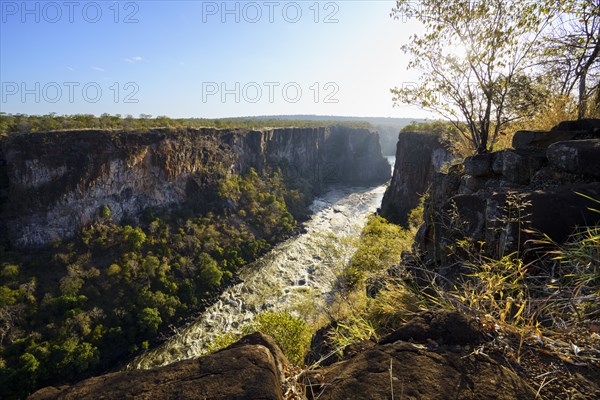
[105,212]
[134,237]
[292,334]
[9,271]
[380,247]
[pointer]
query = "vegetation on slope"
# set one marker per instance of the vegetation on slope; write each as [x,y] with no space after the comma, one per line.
[81,307]
[547,305]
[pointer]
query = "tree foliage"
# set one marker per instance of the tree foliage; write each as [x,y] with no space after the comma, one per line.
[23,123]
[469,57]
[571,53]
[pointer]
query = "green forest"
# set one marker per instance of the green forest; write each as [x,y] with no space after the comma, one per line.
[84,306]
[21,123]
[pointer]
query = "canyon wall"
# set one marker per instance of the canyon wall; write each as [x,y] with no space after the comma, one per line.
[418,157]
[54,183]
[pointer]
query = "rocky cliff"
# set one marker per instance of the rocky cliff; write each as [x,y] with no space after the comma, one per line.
[544,184]
[418,157]
[53,183]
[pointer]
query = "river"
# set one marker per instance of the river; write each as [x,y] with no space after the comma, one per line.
[296,271]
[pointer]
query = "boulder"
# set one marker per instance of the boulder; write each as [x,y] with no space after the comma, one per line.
[520,166]
[322,350]
[250,369]
[566,130]
[590,125]
[498,162]
[461,216]
[470,184]
[557,212]
[443,327]
[479,165]
[528,140]
[444,186]
[398,369]
[576,156]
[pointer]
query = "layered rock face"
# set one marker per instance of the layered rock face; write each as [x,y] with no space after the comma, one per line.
[428,358]
[53,183]
[544,184]
[419,156]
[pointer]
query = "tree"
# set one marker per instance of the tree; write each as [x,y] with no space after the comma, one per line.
[105,212]
[134,237]
[209,273]
[149,320]
[572,50]
[468,57]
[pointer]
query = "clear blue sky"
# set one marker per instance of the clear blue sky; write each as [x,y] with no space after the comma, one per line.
[176,58]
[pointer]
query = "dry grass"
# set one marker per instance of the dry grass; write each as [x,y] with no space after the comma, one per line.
[556,110]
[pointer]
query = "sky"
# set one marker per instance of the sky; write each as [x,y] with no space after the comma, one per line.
[205,59]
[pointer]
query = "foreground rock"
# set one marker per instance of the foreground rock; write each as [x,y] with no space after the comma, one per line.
[250,369]
[429,366]
[435,356]
[449,328]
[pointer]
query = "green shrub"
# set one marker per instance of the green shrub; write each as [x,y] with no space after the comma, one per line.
[105,212]
[149,319]
[9,271]
[380,247]
[292,334]
[221,341]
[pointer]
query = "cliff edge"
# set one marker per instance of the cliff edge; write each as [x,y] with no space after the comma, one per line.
[54,183]
[419,156]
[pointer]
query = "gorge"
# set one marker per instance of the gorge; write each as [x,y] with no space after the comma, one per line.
[451,353]
[120,234]
[54,183]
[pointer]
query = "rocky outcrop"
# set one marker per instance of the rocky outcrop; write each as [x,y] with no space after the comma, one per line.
[53,183]
[430,357]
[250,369]
[421,361]
[576,156]
[545,184]
[408,371]
[418,157]
[450,328]
[566,130]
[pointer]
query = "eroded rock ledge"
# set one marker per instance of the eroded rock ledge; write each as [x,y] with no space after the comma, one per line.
[544,184]
[499,198]
[250,369]
[431,357]
[53,183]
